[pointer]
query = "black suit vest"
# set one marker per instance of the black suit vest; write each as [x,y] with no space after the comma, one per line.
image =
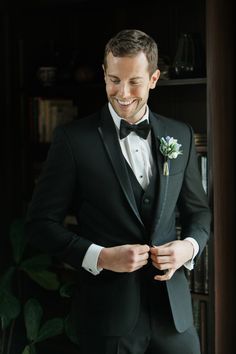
[145,199]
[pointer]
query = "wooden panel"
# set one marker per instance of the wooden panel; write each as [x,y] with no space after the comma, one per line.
[221,110]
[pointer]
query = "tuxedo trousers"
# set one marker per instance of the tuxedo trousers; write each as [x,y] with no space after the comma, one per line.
[154,332]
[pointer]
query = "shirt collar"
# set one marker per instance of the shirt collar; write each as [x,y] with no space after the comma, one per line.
[117,119]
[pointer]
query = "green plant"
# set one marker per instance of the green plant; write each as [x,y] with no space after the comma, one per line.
[12,301]
[36,333]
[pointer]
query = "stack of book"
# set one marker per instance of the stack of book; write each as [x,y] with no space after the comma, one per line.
[200,139]
[47,114]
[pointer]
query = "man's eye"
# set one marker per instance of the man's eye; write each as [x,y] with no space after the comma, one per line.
[114,81]
[135,82]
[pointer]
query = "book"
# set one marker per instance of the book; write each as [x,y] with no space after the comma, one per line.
[204,171]
[47,114]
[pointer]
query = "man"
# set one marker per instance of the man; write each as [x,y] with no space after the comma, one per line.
[124,183]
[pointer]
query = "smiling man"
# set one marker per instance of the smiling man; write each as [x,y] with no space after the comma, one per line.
[132,296]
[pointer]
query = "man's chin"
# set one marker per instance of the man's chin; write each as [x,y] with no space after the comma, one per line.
[123,111]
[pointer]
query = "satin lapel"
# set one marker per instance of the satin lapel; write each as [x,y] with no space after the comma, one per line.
[108,134]
[159,130]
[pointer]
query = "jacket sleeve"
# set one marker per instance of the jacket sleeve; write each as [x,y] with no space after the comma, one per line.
[51,201]
[195,214]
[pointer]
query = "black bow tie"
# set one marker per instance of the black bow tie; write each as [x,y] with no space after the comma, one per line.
[142,129]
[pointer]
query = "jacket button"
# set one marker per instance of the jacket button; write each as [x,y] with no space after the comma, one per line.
[146,200]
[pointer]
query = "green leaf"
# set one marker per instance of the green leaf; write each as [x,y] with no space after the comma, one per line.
[29,349]
[36,263]
[67,289]
[9,305]
[6,279]
[5,322]
[32,349]
[18,239]
[50,329]
[33,314]
[48,280]
[26,350]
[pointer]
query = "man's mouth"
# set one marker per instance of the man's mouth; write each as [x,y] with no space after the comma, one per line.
[125,103]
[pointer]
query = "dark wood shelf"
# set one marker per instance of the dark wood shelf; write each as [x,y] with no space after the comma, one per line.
[201,149]
[180,82]
[63,90]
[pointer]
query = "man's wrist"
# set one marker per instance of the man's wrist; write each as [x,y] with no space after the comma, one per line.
[190,263]
[190,248]
[102,258]
[194,244]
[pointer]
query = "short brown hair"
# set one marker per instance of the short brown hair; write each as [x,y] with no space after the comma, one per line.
[130,42]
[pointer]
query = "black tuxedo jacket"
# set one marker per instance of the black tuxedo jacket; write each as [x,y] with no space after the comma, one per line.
[85,173]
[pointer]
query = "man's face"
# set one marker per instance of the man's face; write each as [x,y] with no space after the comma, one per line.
[127,85]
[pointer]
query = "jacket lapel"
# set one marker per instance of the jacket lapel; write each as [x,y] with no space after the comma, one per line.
[159,130]
[110,140]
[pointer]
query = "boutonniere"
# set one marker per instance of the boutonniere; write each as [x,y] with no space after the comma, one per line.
[170,149]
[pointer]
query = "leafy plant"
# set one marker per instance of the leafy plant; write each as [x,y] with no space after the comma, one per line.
[12,304]
[36,332]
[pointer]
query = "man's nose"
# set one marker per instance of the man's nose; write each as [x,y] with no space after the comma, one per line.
[124,90]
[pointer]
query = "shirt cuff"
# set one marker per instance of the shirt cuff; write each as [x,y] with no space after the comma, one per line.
[91,259]
[190,264]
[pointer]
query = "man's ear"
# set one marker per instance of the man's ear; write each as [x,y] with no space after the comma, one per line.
[154,78]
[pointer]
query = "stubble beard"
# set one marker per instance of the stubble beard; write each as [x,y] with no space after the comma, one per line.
[132,117]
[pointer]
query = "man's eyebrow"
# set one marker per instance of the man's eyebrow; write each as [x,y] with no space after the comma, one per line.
[136,78]
[115,77]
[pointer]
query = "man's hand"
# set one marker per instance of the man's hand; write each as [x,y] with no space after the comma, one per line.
[125,258]
[170,257]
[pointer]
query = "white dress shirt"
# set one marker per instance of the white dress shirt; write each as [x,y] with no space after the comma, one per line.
[137,152]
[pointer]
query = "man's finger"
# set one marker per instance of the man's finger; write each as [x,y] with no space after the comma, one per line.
[163,250]
[160,259]
[164,266]
[167,276]
[142,248]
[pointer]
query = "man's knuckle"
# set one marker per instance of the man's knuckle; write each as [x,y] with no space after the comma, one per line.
[131,252]
[132,259]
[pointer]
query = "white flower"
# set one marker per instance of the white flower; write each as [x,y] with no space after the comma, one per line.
[170,149]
